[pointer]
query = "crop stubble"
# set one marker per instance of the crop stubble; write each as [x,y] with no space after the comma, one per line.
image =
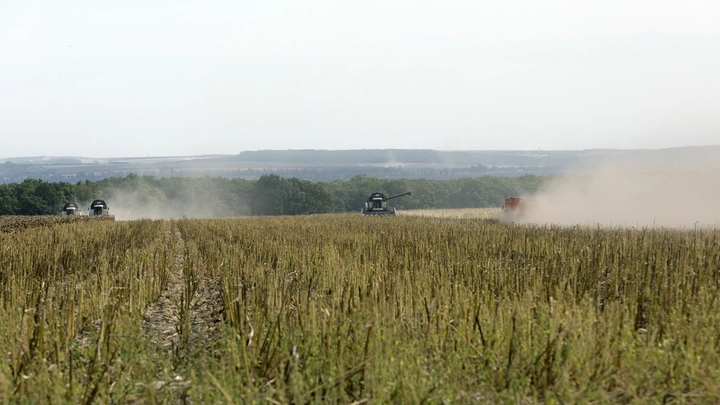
[341,308]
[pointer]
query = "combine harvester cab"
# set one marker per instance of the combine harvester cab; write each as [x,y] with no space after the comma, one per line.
[71,209]
[377,205]
[98,208]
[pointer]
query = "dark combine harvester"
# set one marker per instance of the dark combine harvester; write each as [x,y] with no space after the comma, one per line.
[71,209]
[377,204]
[99,207]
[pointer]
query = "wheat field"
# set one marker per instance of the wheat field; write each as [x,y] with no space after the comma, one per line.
[460,213]
[418,308]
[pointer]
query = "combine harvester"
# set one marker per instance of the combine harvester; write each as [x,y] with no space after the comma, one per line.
[71,209]
[515,208]
[377,205]
[99,208]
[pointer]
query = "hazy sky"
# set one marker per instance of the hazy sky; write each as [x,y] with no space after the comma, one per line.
[136,78]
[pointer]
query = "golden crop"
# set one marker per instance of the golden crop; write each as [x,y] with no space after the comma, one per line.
[10,223]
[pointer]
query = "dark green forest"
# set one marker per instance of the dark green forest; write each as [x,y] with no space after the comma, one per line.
[147,196]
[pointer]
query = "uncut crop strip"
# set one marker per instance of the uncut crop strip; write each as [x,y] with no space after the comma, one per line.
[462,213]
[10,223]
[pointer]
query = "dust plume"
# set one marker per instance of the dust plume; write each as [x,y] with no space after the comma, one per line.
[642,193]
[132,205]
[196,199]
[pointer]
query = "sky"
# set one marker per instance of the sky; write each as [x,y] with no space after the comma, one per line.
[177,78]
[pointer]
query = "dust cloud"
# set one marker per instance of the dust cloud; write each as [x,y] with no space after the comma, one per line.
[132,205]
[680,193]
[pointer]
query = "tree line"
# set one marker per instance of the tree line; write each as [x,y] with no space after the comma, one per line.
[269,195]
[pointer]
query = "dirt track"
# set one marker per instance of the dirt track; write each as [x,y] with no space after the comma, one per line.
[179,326]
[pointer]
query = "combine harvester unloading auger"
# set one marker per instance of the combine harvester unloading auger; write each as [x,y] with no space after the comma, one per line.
[377,205]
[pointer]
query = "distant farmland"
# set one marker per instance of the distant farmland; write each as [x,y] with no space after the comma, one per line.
[328,165]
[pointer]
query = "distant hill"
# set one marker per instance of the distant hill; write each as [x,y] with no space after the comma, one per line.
[391,157]
[328,165]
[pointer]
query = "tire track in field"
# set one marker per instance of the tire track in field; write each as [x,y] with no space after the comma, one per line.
[176,333]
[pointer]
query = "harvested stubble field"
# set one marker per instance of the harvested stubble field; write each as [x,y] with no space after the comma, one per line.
[350,309]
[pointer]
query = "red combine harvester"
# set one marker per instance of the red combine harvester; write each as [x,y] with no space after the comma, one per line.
[513,204]
[516,206]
